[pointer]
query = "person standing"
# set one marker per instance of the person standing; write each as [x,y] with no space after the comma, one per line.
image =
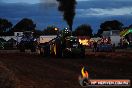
[94,46]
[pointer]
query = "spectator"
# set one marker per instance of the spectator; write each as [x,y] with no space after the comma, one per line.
[94,46]
[109,40]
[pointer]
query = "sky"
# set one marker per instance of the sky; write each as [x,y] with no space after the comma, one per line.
[45,13]
[31,1]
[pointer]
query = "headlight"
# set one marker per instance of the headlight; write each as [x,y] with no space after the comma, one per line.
[75,45]
[69,49]
[35,39]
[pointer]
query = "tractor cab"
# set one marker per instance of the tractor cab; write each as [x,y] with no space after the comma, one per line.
[72,42]
[73,47]
[66,32]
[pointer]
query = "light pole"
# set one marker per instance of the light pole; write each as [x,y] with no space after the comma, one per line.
[57,30]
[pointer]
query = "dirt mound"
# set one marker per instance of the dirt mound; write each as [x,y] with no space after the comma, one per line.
[7,78]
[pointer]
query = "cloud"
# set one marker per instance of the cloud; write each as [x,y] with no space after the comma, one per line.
[49,1]
[30,1]
[21,1]
[83,0]
[104,12]
[91,12]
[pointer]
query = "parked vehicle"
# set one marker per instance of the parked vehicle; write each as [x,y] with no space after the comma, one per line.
[27,42]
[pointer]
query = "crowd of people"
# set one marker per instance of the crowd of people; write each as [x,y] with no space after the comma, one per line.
[104,44]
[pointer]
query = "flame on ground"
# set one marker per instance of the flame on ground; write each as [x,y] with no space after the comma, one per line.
[84,73]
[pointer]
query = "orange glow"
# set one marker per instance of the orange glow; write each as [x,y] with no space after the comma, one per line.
[84,42]
[56,29]
[84,73]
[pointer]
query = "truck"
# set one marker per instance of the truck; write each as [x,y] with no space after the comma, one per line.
[63,45]
[27,42]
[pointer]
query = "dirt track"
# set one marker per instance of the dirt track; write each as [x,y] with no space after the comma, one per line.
[38,72]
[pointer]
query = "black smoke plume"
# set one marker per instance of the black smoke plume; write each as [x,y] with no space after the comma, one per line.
[67,7]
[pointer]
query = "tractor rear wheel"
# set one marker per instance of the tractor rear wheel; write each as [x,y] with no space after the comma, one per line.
[22,50]
[41,51]
[58,49]
[33,49]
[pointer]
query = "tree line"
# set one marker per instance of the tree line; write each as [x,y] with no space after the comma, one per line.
[26,24]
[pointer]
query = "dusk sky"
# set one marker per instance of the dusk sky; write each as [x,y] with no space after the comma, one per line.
[92,12]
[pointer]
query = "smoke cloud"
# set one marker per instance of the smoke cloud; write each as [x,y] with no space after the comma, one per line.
[48,3]
[67,7]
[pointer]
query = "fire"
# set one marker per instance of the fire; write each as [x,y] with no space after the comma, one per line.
[84,73]
[84,42]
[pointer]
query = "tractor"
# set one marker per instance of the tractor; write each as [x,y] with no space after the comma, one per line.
[64,45]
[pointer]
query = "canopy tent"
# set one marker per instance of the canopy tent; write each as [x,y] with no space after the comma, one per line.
[125,32]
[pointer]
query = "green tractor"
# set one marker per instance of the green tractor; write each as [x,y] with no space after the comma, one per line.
[66,45]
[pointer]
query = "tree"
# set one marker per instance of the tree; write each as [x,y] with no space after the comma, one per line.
[51,30]
[5,26]
[130,26]
[99,33]
[110,25]
[25,25]
[83,30]
[38,33]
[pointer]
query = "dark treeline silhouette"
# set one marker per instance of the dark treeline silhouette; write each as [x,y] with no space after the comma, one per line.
[83,30]
[7,28]
[50,30]
[110,25]
[25,25]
